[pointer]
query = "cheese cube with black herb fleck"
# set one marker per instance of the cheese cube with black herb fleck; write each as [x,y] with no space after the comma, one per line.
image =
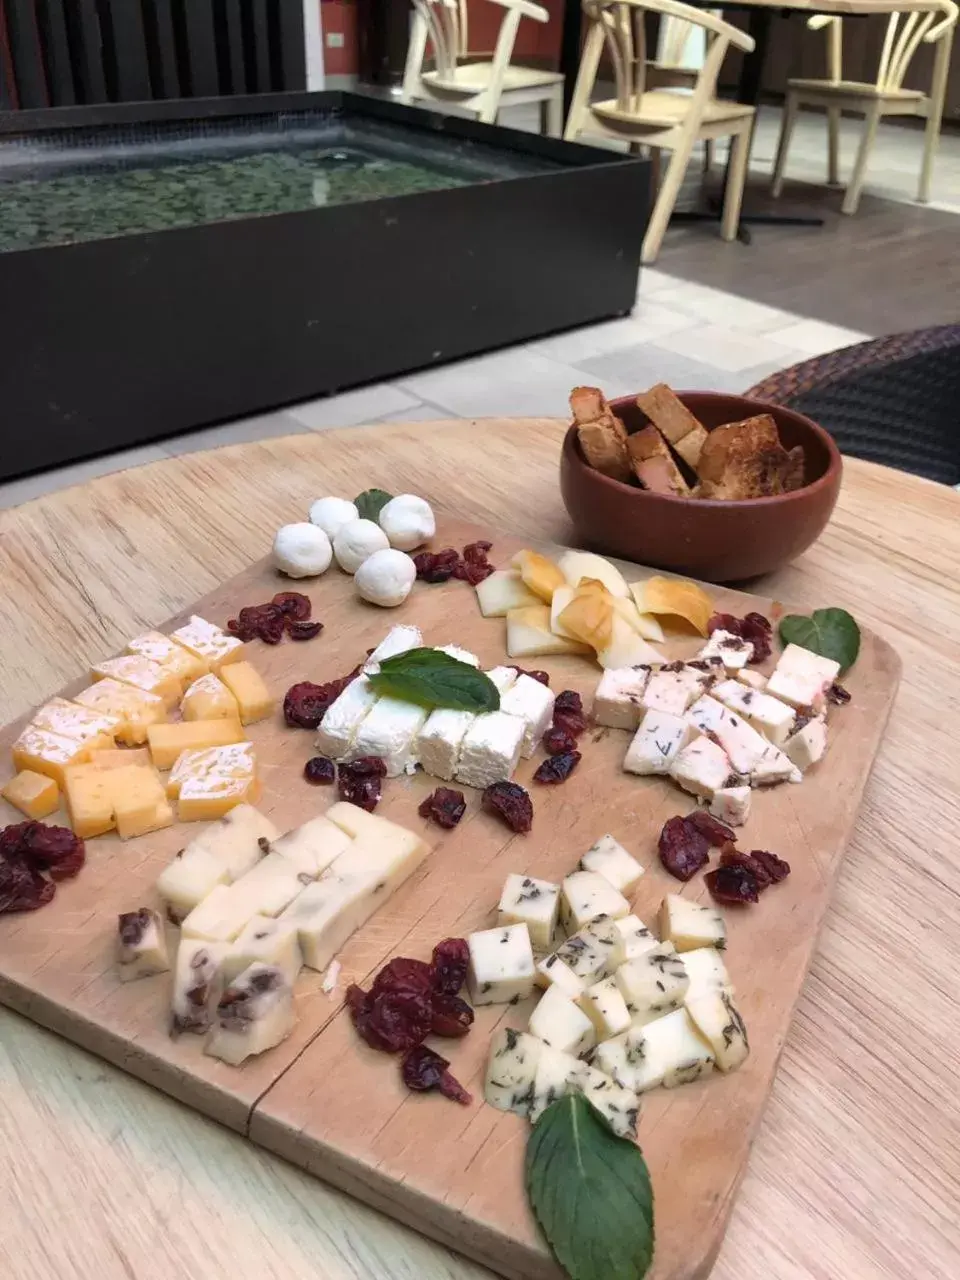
[802,677]
[734,652]
[689,925]
[512,1070]
[553,972]
[654,984]
[731,805]
[535,903]
[558,1022]
[617,701]
[555,1073]
[604,1005]
[769,716]
[657,743]
[807,745]
[717,1020]
[701,768]
[707,973]
[610,859]
[585,896]
[674,1053]
[620,1107]
[621,1058]
[637,938]
[501,965]
[594,951]
[673,688]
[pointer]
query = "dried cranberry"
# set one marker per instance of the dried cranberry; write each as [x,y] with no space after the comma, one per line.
[558,740]
[320,771]
[452,1017]
[542,677]
[716,832]
[21,888]
[423,1070]
[403,974]
[444,806]
[303,630]
[776,868]
[271,630]
[293,604]
[683,849]
[511,804]
[364,792]
[754,628]
[451,957]
[436,566]
[305,704]
[723,622]
[732,885]
[477,551]
[366,767]
[43,848]
[568,702]
[11,838]
[472,571]
[556,769]
[766,868]
[393,1021]
[838,695]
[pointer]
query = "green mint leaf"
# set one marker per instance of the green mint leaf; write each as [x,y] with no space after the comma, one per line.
[371,502]
[434,679]
[832,633]
[590,1192]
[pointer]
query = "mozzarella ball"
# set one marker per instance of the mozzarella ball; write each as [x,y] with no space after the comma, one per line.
[301,550]
[407,521]
[331,514]
[385,578]
[355,541]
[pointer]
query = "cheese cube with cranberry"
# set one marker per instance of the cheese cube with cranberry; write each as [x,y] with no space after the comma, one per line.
[732,651]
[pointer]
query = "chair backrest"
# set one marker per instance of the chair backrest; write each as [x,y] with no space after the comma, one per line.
[445,23]
[674,41]
[914,24]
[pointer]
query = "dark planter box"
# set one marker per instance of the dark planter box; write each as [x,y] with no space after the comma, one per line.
[108,343]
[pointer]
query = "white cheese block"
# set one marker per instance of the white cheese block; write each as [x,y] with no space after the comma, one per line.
[265,941]
[617,703]
[275,881]
[490,750]
[440,740]
[672,691]
[657,743]
[585,896]
[773,767]
[719,1023]
[752,679]
[805,747]
[620,1107]
[501,969]
[343,717]
[594,951]
[389,731]
[238,840]
[399,639]
[552,971]
[461,655]
[503,677]
[802,678]
[255,1013]
[512,1070]
[608,858]
[621,1058]
[745,747]
[637,938]
[535,903]
[531,702]
[731,805]
[732,651]
[673,1053]
[265,890]
[141,945]
[311,847]
[707,714]
[356,822]
[558,1022]
[769,716]
[701,768]
[190,878]
[555,1073]
[653,984]
[197,984]
[707,973]
[604,1005]
[689,925]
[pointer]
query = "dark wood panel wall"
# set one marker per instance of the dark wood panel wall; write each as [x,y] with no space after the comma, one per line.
[56,53]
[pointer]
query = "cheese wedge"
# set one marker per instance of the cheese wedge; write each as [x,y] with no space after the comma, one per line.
[209,699]
[166,653]
[209,783]
[82,724]
[208,643]
[135,709]
[169,741]
[34,794]
[141,673]
[43,752]
[247,685]
[141,945]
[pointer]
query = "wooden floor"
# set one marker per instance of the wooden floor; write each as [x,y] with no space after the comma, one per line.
[890,268]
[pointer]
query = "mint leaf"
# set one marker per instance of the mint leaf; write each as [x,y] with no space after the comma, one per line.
[434,679]
[832,633]
[371,502]
[591,1193]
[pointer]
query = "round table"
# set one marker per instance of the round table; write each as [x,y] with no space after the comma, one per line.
[856,1167]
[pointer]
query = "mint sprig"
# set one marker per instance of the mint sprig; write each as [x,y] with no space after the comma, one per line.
[430,678]
[591,1193]
[833,633]
[371,502]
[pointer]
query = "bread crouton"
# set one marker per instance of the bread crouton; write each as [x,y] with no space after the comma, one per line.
[794,475]
[674,420]
[653,464]
[603,437]
[743,460]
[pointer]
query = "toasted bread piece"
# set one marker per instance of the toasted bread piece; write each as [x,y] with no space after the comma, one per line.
[653,464]
[794,476]
[602,435]
[674,420]
[743,460]
[587,404]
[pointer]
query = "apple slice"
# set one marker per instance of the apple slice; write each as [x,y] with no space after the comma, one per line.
[627,649]
[644,624]
[576,565]
[539,574]
[529,634]
[503,591]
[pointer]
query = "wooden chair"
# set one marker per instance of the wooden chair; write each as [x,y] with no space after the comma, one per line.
[480,88]
[673,37]
[917,23]
[648,112]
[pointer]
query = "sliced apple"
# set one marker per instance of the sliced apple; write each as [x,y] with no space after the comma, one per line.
[626,648]
[588,616]
[676,597]
[503,591]
[539,574]
[529,634]
[644,624]
[577,565]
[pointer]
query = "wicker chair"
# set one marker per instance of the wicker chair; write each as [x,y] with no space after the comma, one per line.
[892,400]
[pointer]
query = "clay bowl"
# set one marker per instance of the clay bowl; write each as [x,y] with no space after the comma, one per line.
[715,541]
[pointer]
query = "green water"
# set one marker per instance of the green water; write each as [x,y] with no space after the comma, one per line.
[97,204]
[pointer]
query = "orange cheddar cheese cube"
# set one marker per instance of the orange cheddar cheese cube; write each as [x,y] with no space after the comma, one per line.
[208,642]
[83,724]
[121,758]
[137,710]
[169,741]
[166,653]
[140,803]
[34,794]
[209,699]
[247,685]
[89,796]
[41,751]
[207,784]
[141,673]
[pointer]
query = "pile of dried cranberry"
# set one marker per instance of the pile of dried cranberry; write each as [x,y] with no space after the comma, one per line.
[440,566]
[560,740]
[306,703]
[742,877]
[685,845]
[29,853]
[754,627]
[288,612]
[444,806]
[410,1000]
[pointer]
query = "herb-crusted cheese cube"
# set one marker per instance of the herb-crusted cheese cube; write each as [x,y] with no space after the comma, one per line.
[707,973]
[512,1070]
[400,639]
[701,768]
[552,971]
[595,951]
[637,938]
[807,745]
[559,1023]
[604,1005]
[608,858]
[617,701]
[621,1056]
[731,805]
[730,649]
[531,702]
[674,1053]
[501,967]
[802,678]
[585,896]
[389,731]
[745,747]
[769,716]
[343,718]
[535,903]
[689,925]
[656,744]
[653,984]
[773,767]
[716,1018]
[555,1073]
[707,714]
[440,740]
[620,1107]
[674,687]
[209,643]
[490,750]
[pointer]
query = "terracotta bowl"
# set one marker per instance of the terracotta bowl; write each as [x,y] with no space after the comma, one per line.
[715,541]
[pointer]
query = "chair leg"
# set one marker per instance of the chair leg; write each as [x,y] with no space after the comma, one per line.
[851,199]
[736,181]
[931,136]
[708,155]
[783,146]
[551,115]
[666,199]
[833,146]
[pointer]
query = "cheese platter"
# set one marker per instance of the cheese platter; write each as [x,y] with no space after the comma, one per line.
[589,842]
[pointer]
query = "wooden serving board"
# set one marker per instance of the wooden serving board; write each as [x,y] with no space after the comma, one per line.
[326,1102]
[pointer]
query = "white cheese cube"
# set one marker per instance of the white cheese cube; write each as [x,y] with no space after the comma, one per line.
[265,941]
[744,746]
[238,840]
[197,984]
[389,731]
[356,822]
[440,740]
[531,702]
[585,896]
[805,747]
[512,1070]
[141,945]
[552,971]
[653,984]
[701,768]
[190,878]
[604,1005]
[343,718]
[707,973]
[461,655]
[707,714]
[657,743]
[490,750]
[503,677]
[689,925]
[558,1022]
[673,688]
[769,716]
[255,1013]
[752,679]
[594,951]
[398,639]
[620,1107]
[716,1018]
[674,1053]
[219,917]
[501,969]
[621,1056]
[730,649]
[617,701]
[555,1072]
[637,938]
[802,678]
[608,858]
[313,846]
[535,903]
[274,882]
[731,805]
[773,767]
